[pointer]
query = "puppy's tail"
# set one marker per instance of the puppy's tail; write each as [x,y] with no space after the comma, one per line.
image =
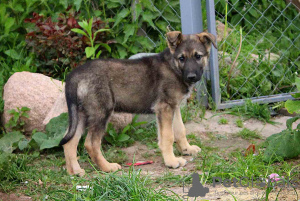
[71,97]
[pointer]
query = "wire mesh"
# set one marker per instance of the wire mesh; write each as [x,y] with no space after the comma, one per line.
[268,32]
[269,59]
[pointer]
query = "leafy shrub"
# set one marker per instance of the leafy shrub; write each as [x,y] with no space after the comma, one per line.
[17,122]
[253,110]
[124,138]
[286,144]
[91,52]
[56,45]
[131,23]
[269,27]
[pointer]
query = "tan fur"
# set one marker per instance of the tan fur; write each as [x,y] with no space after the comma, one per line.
[180,136]
[92,145]
[70,150]
[165,116]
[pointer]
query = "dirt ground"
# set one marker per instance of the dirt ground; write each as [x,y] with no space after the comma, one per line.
[206,129]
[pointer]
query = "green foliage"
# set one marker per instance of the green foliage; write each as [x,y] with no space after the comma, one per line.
[239,123]
[55,130]
[270,27]
[12,167]
[9,142]
[16,122]
[124,138]
[248,134]
[91,52]
[115,155]
[286,143]
[253,110]
[283,145]
[132,185]
[130,24]
[223,121]
[294,105]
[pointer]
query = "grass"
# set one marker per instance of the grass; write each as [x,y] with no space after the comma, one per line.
[239,123]
[36,174]
[253,110]
[223,121]
[248,134]
[131,185]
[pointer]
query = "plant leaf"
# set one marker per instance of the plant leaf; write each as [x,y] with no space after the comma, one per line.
[290,122]
[13,54]
[106,46]
[124,13]
[39,137]
[23,144]
[292,106]
[79,31]
[122,137]
[8,143]
[77,4]
[148,17]
[89,51]
[129,30]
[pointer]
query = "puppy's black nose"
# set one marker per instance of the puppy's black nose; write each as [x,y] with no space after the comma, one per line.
[192,77]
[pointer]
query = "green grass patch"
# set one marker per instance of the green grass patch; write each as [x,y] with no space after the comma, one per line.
[131,185]
[248,134]
[253,110]
[239,123]
[223,121]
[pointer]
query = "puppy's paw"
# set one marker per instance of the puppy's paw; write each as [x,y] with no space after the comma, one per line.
[191,150]
[111,167]
[80,172]
[175,162]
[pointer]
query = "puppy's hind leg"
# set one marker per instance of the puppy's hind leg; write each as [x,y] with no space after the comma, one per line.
[99,107]
[93,146]
[70,149]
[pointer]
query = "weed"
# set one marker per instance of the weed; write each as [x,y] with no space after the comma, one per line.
[115,155]
[131,185]
[16,122]
[248,134]
[223,121]
[147,155]
[91,52]
[194,140]
[253,110]
[239,123]
[125,137]
[169,179]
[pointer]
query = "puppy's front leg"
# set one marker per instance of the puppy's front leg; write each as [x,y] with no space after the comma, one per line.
[180,136]
[165,114]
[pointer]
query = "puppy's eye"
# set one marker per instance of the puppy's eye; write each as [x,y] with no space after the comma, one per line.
[198,56]
[182,58]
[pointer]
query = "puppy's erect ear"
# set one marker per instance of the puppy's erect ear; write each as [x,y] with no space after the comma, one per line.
[174,38]
[207,39]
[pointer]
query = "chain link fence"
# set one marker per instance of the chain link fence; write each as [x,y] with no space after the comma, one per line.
[258,42]
[259,48]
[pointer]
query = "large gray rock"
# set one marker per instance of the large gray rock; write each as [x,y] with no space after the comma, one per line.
[45,98]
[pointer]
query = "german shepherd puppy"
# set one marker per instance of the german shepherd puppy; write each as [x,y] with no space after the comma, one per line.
[151,84]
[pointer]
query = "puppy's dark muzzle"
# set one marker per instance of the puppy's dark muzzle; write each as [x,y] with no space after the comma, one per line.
[192,78]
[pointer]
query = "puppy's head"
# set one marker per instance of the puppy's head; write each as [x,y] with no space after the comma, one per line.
[190,53]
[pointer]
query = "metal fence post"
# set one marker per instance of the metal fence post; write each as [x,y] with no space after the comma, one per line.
[213,62]
[191,23]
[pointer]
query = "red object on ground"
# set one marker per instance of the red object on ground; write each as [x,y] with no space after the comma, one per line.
[250,150]
[140,163]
